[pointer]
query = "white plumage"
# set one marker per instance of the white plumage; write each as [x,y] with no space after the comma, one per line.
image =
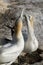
[32,44]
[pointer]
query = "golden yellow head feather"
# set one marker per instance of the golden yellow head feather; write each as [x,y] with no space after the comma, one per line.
[18,26]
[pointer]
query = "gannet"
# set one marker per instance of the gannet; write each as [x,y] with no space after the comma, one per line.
[10,50]
[32,44]
[32,52]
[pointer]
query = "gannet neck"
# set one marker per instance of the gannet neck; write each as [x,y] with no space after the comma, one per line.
[30,26]
[19,35]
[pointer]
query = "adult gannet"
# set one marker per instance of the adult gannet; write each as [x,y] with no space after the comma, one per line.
[32,52]
[10,50]
[32,44]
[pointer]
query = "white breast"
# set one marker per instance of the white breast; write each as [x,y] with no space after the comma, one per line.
[11,53]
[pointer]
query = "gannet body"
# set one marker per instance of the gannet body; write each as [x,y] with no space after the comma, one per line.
[32,44]
[10,51]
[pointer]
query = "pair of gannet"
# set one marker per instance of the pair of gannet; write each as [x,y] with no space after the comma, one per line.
[32,44]
[10,50]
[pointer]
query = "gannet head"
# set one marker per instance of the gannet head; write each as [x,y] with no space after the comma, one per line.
[18,25]
[29,23]
[18,28]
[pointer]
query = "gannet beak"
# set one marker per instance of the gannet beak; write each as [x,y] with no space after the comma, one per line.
[31,20]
